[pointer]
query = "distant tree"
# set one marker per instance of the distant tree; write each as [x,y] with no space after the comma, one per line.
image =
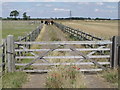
[14,14]
[25,17]
[89,18]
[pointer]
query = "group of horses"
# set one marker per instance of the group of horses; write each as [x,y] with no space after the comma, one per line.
[48,22]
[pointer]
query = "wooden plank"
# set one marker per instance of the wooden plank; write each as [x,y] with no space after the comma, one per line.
[81,70]
[28,71]
[90,53]
[90,70]
[73,31]
[95,51]
[67,42]
[82,49]
[62,57]
[47,64]
[37,58]
[87,57]
[35,54]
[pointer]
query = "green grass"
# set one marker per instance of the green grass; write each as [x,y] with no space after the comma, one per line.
[17,28]
[111,76]
[14,80]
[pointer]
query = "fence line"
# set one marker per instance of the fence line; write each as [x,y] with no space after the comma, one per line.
[8,49]
[11,49]
[77,33]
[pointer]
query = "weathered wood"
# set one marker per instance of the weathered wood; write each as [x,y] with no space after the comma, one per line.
[94,51]
[37,58]
[67,42]
[40,71]
[81,70]
[47,64]
[119,51]
[63,57]
[87,57]
[34,54]
[82,49]
[3,56]
[114,52]
[10,53]
[74,32]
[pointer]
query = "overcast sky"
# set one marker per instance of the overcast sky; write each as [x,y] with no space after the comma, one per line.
[62,9]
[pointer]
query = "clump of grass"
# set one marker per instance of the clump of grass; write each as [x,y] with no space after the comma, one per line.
[55,39]
[73,38]
[65,77]
[111,76]
[14,80]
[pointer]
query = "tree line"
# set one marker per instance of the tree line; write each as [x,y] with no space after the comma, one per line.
[14,15]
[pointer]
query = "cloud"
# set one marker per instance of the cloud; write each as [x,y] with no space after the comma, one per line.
[96,10]
[61,9]
[48,5]
[38,5]
[111,7]
[111,0]
[100,3]
[85,3]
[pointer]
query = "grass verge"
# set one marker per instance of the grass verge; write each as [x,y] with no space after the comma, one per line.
[14,80]
[65,77]
[111,76]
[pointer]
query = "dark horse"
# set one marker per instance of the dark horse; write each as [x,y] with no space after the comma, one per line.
[49,22]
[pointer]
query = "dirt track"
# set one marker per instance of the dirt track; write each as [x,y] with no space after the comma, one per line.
[37,80]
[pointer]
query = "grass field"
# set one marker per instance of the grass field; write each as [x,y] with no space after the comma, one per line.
[17,28]
[104,29]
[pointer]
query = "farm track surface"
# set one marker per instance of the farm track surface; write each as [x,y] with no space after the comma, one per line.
[37,80]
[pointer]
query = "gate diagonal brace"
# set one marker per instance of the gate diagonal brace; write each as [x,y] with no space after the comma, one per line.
[89,54]
[40,57]
[87,57]
[35,55]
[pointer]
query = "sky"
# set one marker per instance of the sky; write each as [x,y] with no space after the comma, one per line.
[59,0]
[52,8]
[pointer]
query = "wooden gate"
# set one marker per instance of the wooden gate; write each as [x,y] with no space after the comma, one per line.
[87,57]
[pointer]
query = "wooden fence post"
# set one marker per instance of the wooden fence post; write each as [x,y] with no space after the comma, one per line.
[3,57]
[114,52]
[10,53]
[119,51]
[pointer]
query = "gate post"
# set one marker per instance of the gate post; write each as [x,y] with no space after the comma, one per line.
[114,52]
[10,53]
[119,51]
